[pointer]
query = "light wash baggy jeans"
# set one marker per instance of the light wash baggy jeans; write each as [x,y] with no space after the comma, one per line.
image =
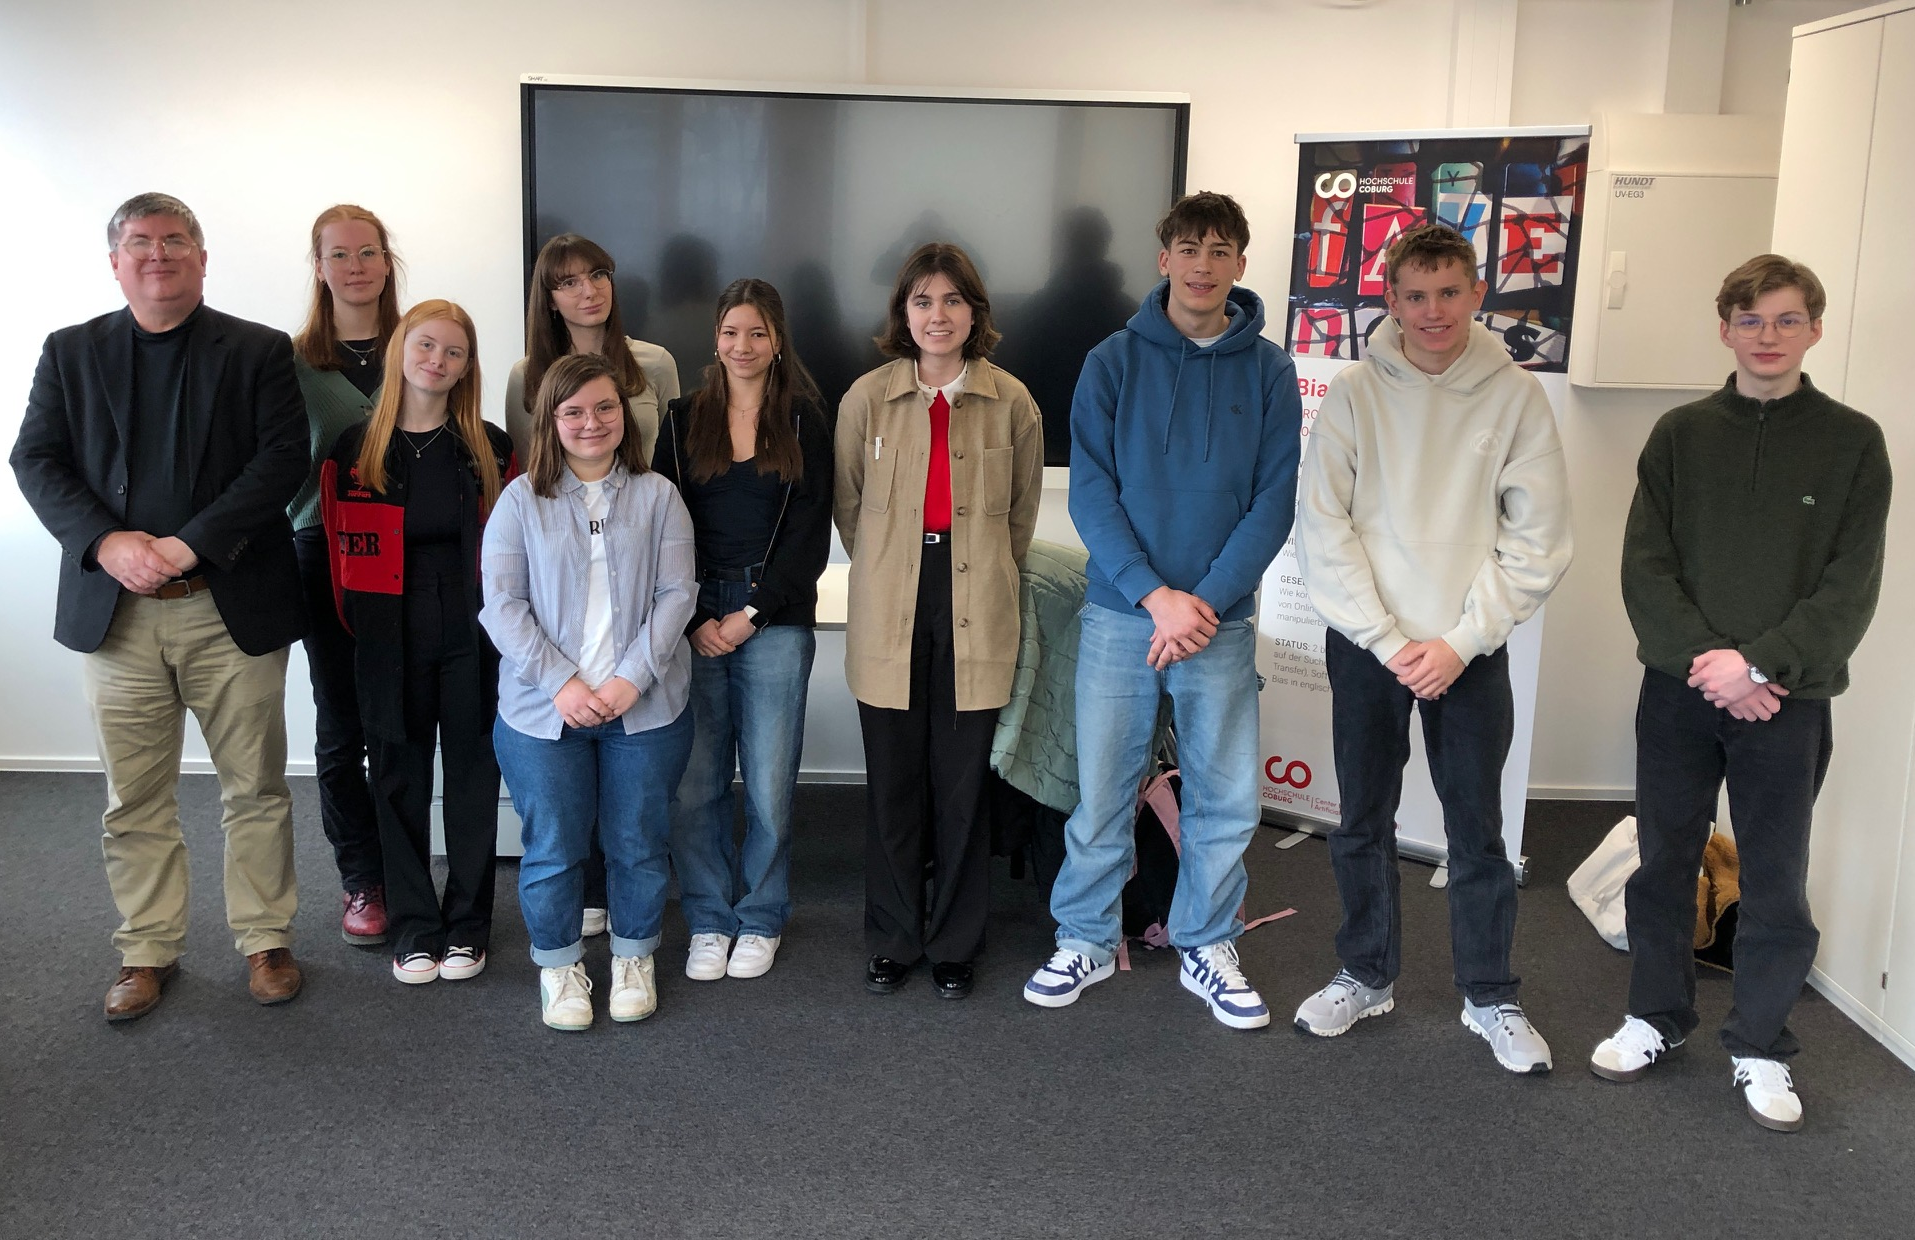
[1214,699]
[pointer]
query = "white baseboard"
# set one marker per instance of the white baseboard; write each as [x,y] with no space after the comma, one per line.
[1580,792]
[1871,1023]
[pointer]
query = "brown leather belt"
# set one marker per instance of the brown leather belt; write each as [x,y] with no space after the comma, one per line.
[181,588]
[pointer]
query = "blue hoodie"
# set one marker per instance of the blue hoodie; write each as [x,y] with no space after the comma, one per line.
[1184,460]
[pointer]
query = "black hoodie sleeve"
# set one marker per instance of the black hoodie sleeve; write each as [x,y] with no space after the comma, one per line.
[803,542]
[668,463]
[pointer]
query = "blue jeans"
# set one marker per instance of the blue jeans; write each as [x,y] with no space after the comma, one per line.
[560,788]
[750,711]
[1214,699]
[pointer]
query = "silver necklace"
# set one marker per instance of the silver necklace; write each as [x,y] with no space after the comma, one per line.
[365,356]
[419,449]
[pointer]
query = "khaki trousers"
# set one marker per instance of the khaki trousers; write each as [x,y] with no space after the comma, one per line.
[162,657]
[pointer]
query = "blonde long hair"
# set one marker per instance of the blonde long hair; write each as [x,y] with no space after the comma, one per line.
[462,402]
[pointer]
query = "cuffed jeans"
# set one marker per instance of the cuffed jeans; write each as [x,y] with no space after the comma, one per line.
[1466,737]
[1213,698]
[560,788]
[1685,748]
[749,713]
[339,750]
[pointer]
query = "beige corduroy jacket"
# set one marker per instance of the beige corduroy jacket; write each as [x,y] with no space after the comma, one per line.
[997,469]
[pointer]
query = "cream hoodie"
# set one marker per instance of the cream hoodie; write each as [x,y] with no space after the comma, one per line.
[1432,505]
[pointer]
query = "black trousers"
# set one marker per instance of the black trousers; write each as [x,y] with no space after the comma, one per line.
[339,751]
[1685,748]
[446,694]
[1466,738]
[924,787]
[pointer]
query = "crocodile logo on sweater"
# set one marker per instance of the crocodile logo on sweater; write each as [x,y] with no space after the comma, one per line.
[1809,500]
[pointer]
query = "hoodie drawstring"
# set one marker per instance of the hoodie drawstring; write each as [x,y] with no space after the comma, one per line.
[1170,412]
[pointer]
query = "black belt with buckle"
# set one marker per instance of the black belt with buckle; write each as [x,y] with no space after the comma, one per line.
[731,574]
[181,587]
[932,540]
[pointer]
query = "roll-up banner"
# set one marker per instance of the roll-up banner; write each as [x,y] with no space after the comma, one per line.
[1517,194]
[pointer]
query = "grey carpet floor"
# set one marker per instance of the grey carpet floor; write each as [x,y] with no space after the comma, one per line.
[798,1105]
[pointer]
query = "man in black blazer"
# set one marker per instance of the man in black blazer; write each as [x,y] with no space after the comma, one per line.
[160,446]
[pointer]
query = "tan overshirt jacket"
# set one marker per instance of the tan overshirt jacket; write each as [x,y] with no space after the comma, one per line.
[997,463]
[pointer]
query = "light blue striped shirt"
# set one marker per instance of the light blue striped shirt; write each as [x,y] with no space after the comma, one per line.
[536,567]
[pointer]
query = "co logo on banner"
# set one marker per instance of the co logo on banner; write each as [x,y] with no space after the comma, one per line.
[1336,185]
[1295,774]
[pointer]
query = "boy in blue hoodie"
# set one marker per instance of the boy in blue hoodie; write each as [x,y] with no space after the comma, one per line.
[1184,444]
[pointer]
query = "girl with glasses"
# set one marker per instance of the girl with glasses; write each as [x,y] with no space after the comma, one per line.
[588,588]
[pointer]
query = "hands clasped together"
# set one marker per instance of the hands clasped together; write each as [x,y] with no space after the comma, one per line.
[1723,677]
[143,563]
[582,706]
[716,637]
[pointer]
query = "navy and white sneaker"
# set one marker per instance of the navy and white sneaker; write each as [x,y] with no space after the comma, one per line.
[1212,972]
[1066,975]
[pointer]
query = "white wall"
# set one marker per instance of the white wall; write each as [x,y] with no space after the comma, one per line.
[267,113]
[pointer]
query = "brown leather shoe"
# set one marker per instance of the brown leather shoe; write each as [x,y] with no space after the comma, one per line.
[275,975]
[137,991]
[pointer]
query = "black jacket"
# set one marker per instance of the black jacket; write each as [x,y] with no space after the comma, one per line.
[246,437]
[365,540]
[801,543]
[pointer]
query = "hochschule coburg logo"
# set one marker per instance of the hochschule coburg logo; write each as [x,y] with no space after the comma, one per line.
[1293,774]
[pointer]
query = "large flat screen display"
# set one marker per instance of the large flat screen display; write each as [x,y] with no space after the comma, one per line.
[823,194]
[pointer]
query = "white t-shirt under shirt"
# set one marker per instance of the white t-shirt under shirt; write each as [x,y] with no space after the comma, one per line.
[597,658]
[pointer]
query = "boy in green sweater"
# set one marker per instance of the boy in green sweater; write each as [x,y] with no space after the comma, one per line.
[1750,569]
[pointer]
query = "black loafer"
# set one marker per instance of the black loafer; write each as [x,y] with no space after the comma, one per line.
[952,980]
[882,975]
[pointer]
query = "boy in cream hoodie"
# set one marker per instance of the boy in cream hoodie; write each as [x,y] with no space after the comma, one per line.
[1432,518]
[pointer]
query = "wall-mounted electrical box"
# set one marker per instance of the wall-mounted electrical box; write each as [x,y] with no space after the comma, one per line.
[1675,202]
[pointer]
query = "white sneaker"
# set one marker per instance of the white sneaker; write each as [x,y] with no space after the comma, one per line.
[565,995]
[1331,1011]
[1067,974]
[461,963]
[592,924]
[753,955]
[1515,1041]
[634,991]
[1770,1093]
[1630,1051]
[416,969]
[706,962]
[1213,975]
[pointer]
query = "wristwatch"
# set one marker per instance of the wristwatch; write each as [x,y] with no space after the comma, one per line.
[1755,674]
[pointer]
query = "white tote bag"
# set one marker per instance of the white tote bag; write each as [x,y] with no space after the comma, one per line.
[1597,885]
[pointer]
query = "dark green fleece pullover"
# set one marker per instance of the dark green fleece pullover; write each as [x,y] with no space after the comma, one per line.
[1758,526]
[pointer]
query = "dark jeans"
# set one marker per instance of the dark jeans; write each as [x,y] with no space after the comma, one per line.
[1466,737]
[1685,748]
[444,694]
[345,798]
[924,786]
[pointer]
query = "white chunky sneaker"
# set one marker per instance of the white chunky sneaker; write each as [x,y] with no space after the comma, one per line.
[753,955]
[706,960]
[1345,1001]
[1770,1093]
[1517,1045]
[1212,973]
[1066,975]
[592,924]
[565,995]
[634,989]
[1630,1051]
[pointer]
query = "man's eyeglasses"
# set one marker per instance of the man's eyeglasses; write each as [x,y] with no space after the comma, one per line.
[366,254]
[576,284]
[1787,326]
[143,248]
